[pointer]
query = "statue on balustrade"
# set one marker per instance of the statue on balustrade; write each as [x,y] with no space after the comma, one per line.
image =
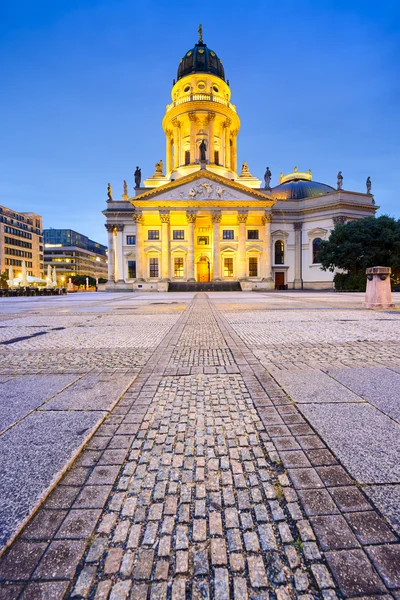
[138,177]
[203,149]
[267,178]
[109,191]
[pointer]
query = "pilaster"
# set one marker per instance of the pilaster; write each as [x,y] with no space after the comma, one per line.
[216,217]
[298,258]
[191,219]
[165,221]
[242,220]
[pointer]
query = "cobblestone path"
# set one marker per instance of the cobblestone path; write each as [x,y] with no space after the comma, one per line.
[205,482]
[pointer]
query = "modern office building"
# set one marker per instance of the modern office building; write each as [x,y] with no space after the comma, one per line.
[74,254]
[21,239]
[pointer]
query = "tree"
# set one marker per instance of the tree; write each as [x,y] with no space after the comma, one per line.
[81,280]
[3,280]
[357,245]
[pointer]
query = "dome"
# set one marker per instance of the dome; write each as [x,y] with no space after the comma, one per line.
[200,59]
[297,186]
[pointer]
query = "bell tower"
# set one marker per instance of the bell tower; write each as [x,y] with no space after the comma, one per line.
[201,124]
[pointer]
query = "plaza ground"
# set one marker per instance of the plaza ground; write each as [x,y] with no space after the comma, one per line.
[220,445]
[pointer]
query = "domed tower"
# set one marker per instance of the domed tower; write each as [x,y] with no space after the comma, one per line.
[201,123]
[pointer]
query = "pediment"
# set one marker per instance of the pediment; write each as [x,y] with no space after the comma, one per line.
[179,249]
[202,186]
[227,249]
[318,232]
[153,249]
[279,233]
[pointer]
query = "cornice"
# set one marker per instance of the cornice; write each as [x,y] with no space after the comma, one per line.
[202,204]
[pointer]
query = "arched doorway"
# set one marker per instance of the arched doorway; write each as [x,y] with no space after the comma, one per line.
[203,269]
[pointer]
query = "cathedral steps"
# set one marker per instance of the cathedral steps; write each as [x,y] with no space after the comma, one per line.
[201,286]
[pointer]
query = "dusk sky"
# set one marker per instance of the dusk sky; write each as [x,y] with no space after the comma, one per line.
[84,84]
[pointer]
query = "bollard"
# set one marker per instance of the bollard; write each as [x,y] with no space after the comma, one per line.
[378,293]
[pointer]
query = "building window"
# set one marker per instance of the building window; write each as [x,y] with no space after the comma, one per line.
[316,247]
[228,234]
[216,157]
[252,234]
[131,240]
[203,240]
[253,266]
[153,234]
[187,157]
[178,267]
[132,269]
[178,234]
[279,253]
[154,267]
[228,267]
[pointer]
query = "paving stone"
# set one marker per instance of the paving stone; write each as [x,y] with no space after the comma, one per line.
[317,502]
[333,533]
[349,499]
[370,528]
[60,559]
[386,560]
[45,591]
[20,560]
[354,573]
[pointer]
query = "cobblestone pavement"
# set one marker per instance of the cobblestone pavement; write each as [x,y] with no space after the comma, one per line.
[206,481]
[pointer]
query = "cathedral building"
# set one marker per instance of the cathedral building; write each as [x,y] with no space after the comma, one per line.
[200,219]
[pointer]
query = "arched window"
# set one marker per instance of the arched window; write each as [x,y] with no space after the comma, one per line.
[316,246]
[279,253]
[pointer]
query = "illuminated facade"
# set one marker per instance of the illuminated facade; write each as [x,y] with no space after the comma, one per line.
[21,239]
[199,219]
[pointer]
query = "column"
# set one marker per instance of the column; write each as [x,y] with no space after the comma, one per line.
[234,150]
[164,217]
[216,217]
[140,267]
[120,254]
[191,219]
[267,265]
[211,119]
[242,219]
[176,125]
[168,151]
[227,145]
[111,269]
[193,121]
[298,250]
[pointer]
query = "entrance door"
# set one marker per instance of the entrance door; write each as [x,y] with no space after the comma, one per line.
[279,280]
[203,271]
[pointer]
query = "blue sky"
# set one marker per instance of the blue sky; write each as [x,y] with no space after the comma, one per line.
[85,84]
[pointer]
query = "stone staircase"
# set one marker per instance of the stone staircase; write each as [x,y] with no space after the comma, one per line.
[209,286]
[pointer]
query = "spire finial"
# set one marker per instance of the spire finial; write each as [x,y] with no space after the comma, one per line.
[200,31]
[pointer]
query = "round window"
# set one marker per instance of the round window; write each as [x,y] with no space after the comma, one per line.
[186,89]
[201,85]
[216,90]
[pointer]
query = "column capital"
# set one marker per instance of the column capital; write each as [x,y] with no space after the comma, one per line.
[192,116]
[164,216]
[109,227]
[234,132]
[216,217]
[211,116]
[339,219]
[266,219]
[298,226]
[119,227]
[168,132]
[138,218]
[191,217]
[242,217]
[176,122]
[227,123]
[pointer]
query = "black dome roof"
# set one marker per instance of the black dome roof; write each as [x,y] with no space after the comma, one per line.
[299,188]
[200,59]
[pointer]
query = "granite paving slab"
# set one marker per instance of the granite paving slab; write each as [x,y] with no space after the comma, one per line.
[22,394]
[387,499]
[92,392]
[380,387]
[52,438]
[360,436]
[314,386]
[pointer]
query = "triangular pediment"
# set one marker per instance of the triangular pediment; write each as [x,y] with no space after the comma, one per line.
[318,232]
[203,186]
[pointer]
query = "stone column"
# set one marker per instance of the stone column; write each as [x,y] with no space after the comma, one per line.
[193,121]
[216,252]
[211,119]
[191,219]
[120,254]
[111,258]
[140,267]
[176,125]
[242,219]
[227,145]
[234,150]
[267,264]
[298,256]
[165,220]
[168,151]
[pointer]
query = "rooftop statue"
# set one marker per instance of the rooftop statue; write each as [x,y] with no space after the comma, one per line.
[339,180]
[109,191]
[267,178]
[125,188]
[159,167]
[138,177]
[369,185]
[203,149]
[245,168]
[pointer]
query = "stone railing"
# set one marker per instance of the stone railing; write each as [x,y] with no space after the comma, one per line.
[201,97]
